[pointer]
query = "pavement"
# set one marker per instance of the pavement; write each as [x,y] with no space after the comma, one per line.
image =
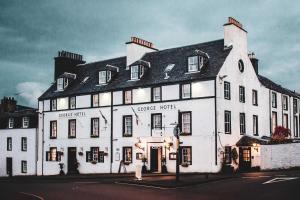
[273,185]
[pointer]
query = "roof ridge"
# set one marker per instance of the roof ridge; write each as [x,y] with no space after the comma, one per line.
[100,61]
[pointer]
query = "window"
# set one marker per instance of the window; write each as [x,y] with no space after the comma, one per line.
[156,121]
[95,127]
[72,128]
[127,154]
[285,121]
[53,129]
[296,129]
[104,76]
[227,154]
[193,63]
[11,123]
[95,100]
[242,124]
[227,122]
[72,102]
[242,94]
[24,166]
[285,103]
[186,91]
[274,121]
[254,98]
[127,97]
[255,125]
[60,84]
[95,154]
[9,144]
[156,94]
[24,144]
[52,155]
[241,66]
[25,122]
[186,155]
[127,126]
[227,94]
[53,104]
[186,121]
[295,105]
[274,100]
[134,72]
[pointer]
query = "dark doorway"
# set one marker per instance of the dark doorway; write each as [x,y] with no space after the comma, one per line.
[245,158]
[154,159]
[9,166]
[72,161]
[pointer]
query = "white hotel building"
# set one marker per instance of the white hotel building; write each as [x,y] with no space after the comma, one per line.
[97,114]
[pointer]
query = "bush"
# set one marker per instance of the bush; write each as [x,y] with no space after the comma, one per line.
[280,135]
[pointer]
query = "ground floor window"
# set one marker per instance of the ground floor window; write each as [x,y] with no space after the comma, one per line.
[24,166]
[186,155]
[127,154]
[228,155]
[53,154]
[94,155]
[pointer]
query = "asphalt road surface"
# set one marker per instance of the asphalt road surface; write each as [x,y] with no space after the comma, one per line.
[262,185]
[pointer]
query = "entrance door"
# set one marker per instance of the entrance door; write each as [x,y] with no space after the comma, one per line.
[154,159]
[72,161]
[9,166]
[245,158]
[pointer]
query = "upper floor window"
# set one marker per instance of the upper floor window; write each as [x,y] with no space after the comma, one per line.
[285,103]
[242,124]
[296,128]
[127,126]
[53,104]
[186,91]
[195,63]
[62,83]
[127,154]
[95,127]
[242,94]
[227,90]
[186,155]
[127,97]
[156,121]
[186,123]
[24,144]
[11,123]
[254,98]
[72,102]
[274,121]
[25,122]
[295,105]
[136,72]
[72,128]
[241,66]
[9,144]
[156,94]
[53,129]
[95,100]
[104,76]
[285,121]
[227,122]
[255,125]
[274,100]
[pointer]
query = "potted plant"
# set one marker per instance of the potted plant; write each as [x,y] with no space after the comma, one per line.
[80,153]
[164,167]
[185,164]
[144,167]
[61,166]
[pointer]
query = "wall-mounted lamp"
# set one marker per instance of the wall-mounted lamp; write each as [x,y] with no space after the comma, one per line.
[255,146]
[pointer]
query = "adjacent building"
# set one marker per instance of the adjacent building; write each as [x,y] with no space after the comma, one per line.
[18,138]
[111,115]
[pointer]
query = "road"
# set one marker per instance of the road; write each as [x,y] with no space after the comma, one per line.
[261,185]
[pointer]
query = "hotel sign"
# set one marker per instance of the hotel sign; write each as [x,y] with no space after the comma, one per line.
[71,114]
[164,107]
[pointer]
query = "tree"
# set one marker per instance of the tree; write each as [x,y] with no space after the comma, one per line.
[280,135]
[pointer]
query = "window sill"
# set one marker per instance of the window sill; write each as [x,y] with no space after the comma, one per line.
[185,134]
[94,136]
[127,135]
[192,72]
[133,80]
[72,137]
[101,84]
[53,138]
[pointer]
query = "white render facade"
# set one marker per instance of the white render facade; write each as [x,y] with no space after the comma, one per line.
[135,125]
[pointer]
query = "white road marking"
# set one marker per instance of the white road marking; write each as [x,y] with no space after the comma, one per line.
[256,176]
[33,195]
[146,186]
[275,180]
[281,175]
[86,182]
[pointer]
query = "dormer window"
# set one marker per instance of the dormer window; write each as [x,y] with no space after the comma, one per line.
[137,71]
[195,63]
[104,76]
[62,83]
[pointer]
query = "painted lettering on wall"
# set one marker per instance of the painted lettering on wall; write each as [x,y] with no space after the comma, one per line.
[74,114]
[156,107]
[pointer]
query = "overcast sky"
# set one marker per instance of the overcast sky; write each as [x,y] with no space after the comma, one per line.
[31,33]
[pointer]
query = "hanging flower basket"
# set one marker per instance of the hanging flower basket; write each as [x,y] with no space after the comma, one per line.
[94,162]
[80,153]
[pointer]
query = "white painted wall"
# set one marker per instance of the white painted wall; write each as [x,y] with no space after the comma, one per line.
[83,101]
[134,52]
[280,156]
[170,92]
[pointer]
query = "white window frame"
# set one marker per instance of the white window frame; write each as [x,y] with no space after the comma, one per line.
[53,154]
[193,64]
[9,143]
[285,121]
[95,127]
[255,125]
[186,155]
[95,100]
[127,154]
[72,128]
[128,97]
[25,122]
[186,121]
[53,129]
[242,94]
[296,127]
[24,166]
[156,94]
[94,154]
[157,121]
[11,122]
[227,91]
[72,102]
[274,121]
[60,84]
[186,92]
[24,143]
[134,72]
[102,77]
[227,122]
[53,104]
[127,126]
[285,102]
[242,123]
[274,100]
[254,97]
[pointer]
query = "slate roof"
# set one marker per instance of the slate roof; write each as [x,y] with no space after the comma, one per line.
[249,141]
[153,76]
[276,87]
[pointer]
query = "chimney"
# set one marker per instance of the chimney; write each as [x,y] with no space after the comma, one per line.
[254,61]
[8,104]
[235,35]
[136,48]
[66,62]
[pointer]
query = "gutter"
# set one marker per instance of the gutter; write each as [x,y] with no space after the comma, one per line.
[111,130]
[216,125]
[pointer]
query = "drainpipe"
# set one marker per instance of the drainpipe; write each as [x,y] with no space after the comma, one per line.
[111,130]
[216,125]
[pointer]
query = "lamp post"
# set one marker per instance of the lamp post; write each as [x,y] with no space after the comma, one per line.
[176,132]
